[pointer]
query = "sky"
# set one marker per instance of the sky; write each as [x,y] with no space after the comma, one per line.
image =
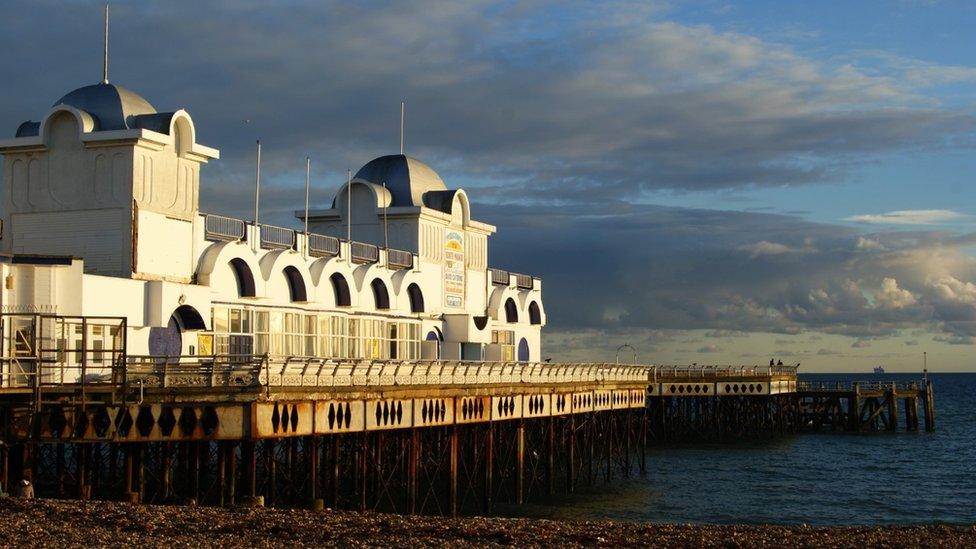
[710,182]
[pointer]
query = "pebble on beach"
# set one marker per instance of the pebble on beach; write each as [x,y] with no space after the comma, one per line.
[46,523]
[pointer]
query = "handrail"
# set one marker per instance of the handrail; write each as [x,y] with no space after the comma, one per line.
[323,246]
[238,370]
[219,227]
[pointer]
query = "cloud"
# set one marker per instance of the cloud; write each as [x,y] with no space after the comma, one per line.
[605,103]
[908,217]
[892,297]
[667,268]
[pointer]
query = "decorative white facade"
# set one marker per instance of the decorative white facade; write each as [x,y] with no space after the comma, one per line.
[101,218]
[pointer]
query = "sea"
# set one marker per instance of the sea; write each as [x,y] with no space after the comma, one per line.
[817,479]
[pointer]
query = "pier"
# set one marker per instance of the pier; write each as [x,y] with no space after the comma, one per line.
[423,437]
[866,405]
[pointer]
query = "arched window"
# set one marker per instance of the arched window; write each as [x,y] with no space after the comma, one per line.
[523,350]
[416,298]
[511,311]
[341,289]
[296,284]
[189,318]
[245,280]
[380,296]
[534,316]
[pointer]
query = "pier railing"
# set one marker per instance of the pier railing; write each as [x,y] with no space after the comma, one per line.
[243,371]
[851,386]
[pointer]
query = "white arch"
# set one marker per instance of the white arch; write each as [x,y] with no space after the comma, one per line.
[273,272]
[460,199]
[320,272]
[496,302]
[214,269]
[363,276]
[86,124]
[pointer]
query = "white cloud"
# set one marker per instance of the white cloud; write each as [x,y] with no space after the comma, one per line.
[908,217]
[892,297]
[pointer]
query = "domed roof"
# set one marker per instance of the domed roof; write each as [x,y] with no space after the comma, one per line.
[406,178]
[113,107]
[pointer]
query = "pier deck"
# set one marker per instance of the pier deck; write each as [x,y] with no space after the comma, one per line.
[435,437]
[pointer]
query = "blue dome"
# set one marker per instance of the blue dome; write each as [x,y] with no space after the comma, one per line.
[113,107]
[407,179]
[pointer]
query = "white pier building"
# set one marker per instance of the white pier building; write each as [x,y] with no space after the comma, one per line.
[101,218]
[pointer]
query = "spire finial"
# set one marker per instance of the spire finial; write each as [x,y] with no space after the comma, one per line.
[105,50]
[402,107]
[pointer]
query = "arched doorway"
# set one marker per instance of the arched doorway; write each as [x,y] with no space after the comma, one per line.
[166,341]
[432,345]
[523,350]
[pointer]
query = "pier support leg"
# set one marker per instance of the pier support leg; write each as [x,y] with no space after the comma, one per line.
[221,473]
[127,485]
[571,455]
[167,470]
[363,466]
[231,472]
[414,458]
[892,398]
[551,458]
[489,466]
[454,470]
[335,471]
[313,468]
[520,462]
[251,469]
[929,404]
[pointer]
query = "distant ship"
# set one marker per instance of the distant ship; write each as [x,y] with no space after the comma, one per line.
[879,370]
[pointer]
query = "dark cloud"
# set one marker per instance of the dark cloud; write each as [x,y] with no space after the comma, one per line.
[556,117]
[598,103]
[655,267]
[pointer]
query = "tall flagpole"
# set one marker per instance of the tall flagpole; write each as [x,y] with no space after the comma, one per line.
[386,232]
[105,50]
[349,211]
[308,170]
[257,188]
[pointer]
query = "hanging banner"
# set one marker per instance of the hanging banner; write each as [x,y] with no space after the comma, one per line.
[454,269]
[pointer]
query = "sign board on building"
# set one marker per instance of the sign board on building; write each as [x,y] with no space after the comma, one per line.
[454,269]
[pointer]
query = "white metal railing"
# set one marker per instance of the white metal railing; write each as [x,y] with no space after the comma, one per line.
[364,253]
[323,246]
[398,259]
[523,282]
[294,371]
[218,227]
[499,277]
[277,237]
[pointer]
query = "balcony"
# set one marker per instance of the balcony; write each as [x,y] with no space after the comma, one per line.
[322,246]
[364,253]
[222,229]
[277,238]
[398,259]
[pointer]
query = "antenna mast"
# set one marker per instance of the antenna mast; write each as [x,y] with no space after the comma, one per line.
[308,170]
[105,50]
[386,231]
[402,107]
[257,186]
[349,212]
